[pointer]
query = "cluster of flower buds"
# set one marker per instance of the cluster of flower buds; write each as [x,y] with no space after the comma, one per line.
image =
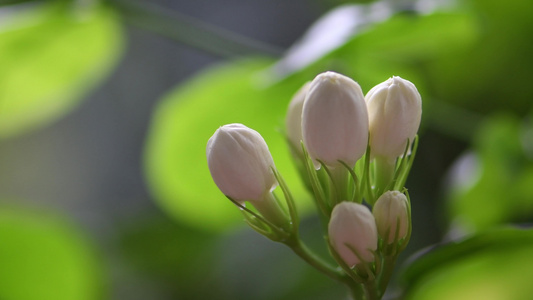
[354,154]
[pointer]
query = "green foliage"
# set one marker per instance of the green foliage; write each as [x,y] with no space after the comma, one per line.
[502,192]
[495,265]
[493,74]
[400,46]
[403,45]
[50,57]
[43,258]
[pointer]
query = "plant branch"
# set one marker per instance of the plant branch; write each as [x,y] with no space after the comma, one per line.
[12,2]
[388,268]
[191,31]
[371,291]
[311,258]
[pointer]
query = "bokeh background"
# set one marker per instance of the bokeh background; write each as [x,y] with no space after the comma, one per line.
[105,109]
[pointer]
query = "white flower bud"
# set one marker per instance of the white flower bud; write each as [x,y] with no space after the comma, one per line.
[240,163]
[391,215]
[293,120]
[394,111]
[335,120]
[353,225]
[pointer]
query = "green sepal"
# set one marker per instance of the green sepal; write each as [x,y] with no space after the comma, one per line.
[254,222]
[371,269]
[347,269]
[401,173]
[368,267]
[300,162]
[262,225]
[318,191]
[356,193]
[293,213]
[332,200]
[401,162]
[258,226]
[405,241]
[367,191]
[404,166]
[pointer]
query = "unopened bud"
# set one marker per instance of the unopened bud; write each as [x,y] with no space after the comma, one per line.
[352,229]
[392,217]
[394,111]
[335,120]
[240,163]
[293,120]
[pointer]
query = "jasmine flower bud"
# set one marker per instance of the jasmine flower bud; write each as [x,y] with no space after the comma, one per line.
[334,120]
[293,120]
[391,216]
[240,163]
[394,111]
[352,228]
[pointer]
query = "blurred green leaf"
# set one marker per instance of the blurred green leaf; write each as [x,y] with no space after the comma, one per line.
[44,258]
[400,46]
[500,189]
[177,257]
[494,74]
[49,58]
[495,265]
[186,118]
[411,38]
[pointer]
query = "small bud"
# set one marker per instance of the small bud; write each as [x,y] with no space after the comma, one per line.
[334,120]
[394,111]
[391,215]
[240,163]
[353,226]
[293,120]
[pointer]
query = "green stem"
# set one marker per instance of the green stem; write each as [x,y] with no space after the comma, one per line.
[371,290]
[386,273]
[356,291]
[316,262]
[384,173]
[339,192]
[299,248]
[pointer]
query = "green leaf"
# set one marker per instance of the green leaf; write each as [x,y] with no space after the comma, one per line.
[186,118]
[477,79]
[50,57]
[43,257]
[495,265]
[499,189]
[415,38]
